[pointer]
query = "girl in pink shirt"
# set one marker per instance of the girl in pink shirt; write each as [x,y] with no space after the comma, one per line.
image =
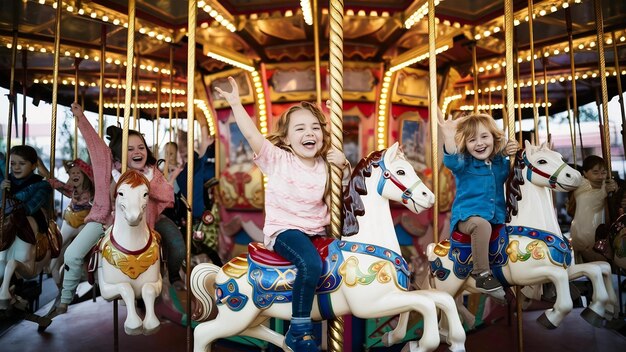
[294,160]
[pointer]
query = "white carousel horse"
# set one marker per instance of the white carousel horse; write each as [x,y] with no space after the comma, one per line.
[128,255]
[21,257]
[530,249]
[363,273]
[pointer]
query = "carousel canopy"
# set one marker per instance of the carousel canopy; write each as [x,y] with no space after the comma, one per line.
[254,32]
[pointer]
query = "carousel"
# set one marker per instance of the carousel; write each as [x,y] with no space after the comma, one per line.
[110,104]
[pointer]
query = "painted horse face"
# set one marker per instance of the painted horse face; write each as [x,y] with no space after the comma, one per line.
[404,186]
[546,168]
[131,202]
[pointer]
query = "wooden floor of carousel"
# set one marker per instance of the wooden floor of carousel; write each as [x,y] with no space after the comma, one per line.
[88,326]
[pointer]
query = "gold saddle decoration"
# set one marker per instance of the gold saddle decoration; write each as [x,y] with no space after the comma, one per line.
[132,265]
[237,266]
[442,248]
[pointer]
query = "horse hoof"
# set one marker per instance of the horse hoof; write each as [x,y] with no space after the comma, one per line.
[133,331]
[592,317]
[545,322]
[151,330]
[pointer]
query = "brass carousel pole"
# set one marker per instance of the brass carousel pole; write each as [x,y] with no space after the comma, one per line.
[119,83]
[103,50]
[510,110]
[130,55]
[518,89]
[532,70]
[475,76]
[335,326]
[316,42]
[619,89]
[191,66]
[576,117]
[572,131]
[545,98]
[171,89]
[9,122]
[606,150]
[55,91]
[432,108]
[136,100]
[76,81]
[155,144]
[24,80]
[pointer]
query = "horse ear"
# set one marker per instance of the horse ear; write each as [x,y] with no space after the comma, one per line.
[528,147]
[392,151]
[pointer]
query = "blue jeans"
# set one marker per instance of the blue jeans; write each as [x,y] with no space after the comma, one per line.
[296,247]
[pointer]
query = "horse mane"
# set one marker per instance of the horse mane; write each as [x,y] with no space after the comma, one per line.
[513,186]
[352,204]
[133,178]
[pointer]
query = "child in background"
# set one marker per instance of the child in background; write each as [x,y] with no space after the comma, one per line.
[79,188]
[590,200]
[27,195]
[473,151]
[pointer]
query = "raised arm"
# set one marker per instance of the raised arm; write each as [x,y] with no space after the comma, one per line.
[448,128]
[244,122]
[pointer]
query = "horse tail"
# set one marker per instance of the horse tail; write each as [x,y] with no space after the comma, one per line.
[202,286]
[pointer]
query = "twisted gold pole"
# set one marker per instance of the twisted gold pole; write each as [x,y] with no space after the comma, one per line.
[510,106]
[119,83]
[130,55]
[316,43]
[518,91]
[509,59]
[432,108]
[136,100]
[335,326]
[606,151]
[55,89]
[191,74]
[532,70]
[570,38]
[619,88]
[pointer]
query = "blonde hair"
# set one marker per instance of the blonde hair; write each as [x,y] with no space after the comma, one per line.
[468,127]
[282,127]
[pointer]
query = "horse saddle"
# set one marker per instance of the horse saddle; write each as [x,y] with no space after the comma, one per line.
[460,252]
[271,276]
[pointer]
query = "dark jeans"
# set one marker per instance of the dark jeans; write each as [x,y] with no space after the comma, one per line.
[173,245]
[296,247]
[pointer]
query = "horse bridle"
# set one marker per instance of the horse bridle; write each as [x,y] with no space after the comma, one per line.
[407,192]
[551,178]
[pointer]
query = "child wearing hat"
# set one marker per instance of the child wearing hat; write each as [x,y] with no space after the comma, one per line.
[80,189]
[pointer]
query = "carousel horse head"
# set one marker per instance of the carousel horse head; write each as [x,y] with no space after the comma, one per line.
[131,197]
[546,168]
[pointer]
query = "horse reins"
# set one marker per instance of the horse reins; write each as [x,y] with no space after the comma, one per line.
[407,192]
[551,178]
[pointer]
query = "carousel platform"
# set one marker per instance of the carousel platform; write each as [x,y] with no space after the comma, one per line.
[88,326]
